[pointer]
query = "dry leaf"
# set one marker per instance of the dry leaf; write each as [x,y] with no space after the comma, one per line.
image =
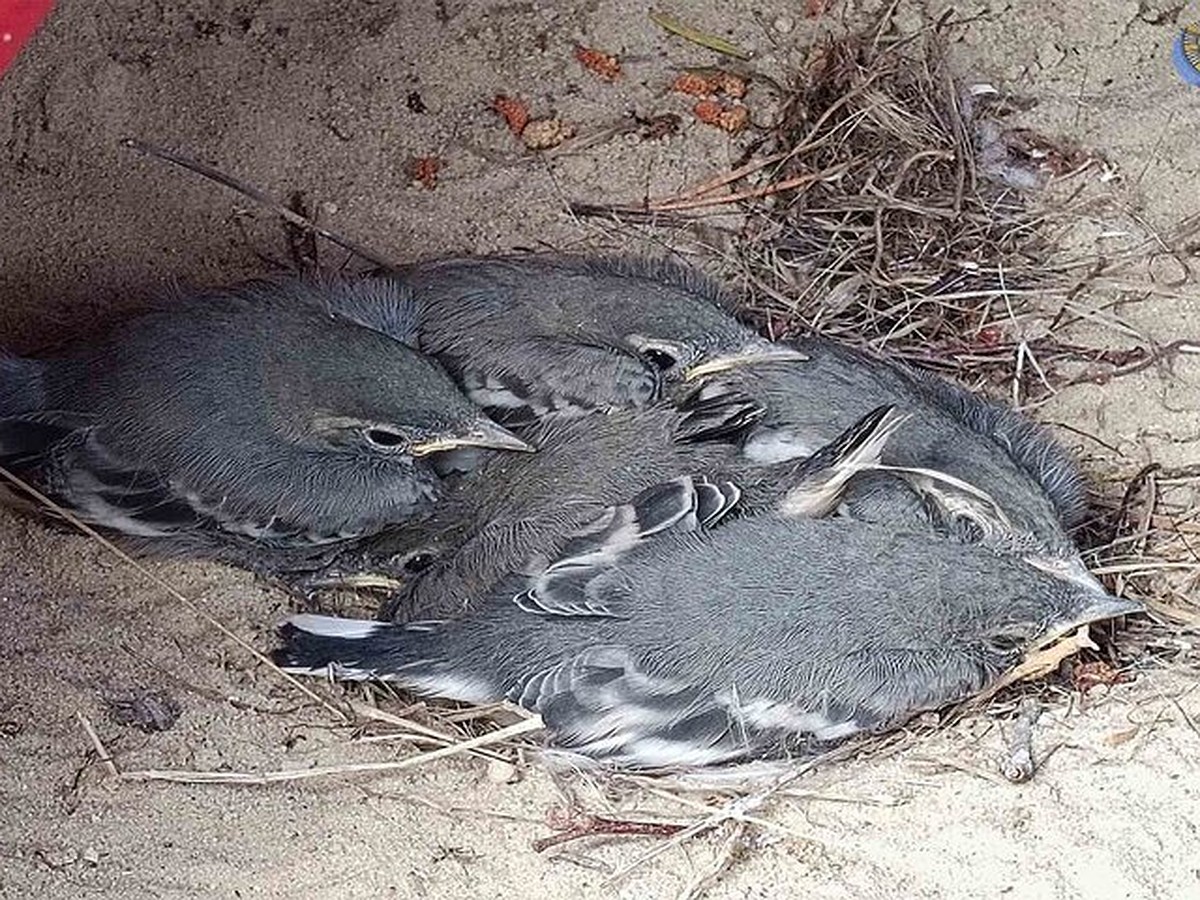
[731,119]
[603,64]
[1040,662]
[1087,675]
[514,111]
[542,134]
[424,169]
[711,41]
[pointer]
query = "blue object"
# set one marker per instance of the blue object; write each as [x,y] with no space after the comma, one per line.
[1186,54]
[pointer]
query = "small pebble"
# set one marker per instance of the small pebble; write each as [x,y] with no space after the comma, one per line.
[542,134]
[784,24]
[58,858]
[501,772]
[148,710]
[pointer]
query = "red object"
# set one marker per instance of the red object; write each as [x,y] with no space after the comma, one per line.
[19,19]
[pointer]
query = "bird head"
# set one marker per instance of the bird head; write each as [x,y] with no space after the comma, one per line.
[698,356]
[356,391]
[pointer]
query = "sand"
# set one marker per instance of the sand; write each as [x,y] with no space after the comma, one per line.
[323,97]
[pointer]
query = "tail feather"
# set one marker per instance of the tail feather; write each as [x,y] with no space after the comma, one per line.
[313,645]
[413,656]
[825,474]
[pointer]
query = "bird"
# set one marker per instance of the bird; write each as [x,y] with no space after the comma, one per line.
[961,464]
[518,510]
[520,506]
[548,336]
[234,421]
[671,633]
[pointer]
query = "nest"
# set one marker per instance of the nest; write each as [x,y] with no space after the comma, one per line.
[915,226]
[912,226]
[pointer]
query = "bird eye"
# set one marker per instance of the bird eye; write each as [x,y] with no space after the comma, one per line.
[659,358]
[662,355]
[384,438]
[419,562]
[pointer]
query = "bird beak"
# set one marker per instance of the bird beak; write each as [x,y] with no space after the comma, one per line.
[484,434]
[1101,609]
[364,581]
[751,355]
[1109,607]
[1100,604]
[1072,570]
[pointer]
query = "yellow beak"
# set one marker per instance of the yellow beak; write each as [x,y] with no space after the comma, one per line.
[756,354]
[486,434]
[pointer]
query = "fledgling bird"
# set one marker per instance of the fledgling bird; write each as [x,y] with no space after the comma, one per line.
[519,511]
[237,421]
[512,510]
[550,336]
[672,634]
[977,469]
[521,506]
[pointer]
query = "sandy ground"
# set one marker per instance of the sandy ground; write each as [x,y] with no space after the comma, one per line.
[323,96]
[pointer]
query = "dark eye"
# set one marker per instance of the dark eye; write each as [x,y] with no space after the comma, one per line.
[419,562]
[660,359]
[385,439]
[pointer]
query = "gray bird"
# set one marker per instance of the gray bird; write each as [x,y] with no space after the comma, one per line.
[250,417]
[518,507]
[519,510]
[973,468]
[672,634]
[545,336]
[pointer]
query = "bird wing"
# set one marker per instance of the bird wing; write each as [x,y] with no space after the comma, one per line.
[955,500]
[602,704]
[824,475]
[102,489]
[710,415]
[572,584]
[520,382]
[61,454]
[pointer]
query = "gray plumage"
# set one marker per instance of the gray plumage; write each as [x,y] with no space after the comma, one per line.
[545,336]
[1035,485]
[247,416]
[519,512]
[518,508]
[672,634]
